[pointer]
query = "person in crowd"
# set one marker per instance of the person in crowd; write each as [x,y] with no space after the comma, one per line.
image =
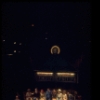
[79,97]
[54,94]
[17,98]
[36,94]
[24,95]
[42,95]
[48,94]
[75,95]
[70,96]
[32,93]
[17,94]
[64,95]
[28,94]
[59,94]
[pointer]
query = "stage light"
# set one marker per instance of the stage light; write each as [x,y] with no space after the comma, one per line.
[45,73]
[65,74]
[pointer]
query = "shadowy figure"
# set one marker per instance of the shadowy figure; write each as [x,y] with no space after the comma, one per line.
[36,94]
[48,94]
[17,98]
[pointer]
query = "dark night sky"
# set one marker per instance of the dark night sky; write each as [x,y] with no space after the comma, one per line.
[64,24]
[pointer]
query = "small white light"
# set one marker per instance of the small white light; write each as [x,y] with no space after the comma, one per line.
[20,43]
[3,40]
[14,42]
[14,51]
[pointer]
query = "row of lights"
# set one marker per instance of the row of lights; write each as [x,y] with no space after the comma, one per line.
[58,74]
[14,52]
[19,43]
[14,42]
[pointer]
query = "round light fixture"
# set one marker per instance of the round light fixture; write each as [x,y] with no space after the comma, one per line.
[55,49]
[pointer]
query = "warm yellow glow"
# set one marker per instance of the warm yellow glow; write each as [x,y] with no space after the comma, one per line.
[9,54]
[45,73]
[59,90]
[55,46]
[20,43]
[14,51]
[72,74]
[14,42]
[65,74]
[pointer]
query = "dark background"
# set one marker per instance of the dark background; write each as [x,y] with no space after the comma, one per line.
[66,24]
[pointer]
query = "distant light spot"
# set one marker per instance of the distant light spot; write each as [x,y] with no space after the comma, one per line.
[20,43]
[9,54]
[14,42]
[3,40]
[14,51]
[32,25]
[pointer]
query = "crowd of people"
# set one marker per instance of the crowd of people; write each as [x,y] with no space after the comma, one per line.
[55,94]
